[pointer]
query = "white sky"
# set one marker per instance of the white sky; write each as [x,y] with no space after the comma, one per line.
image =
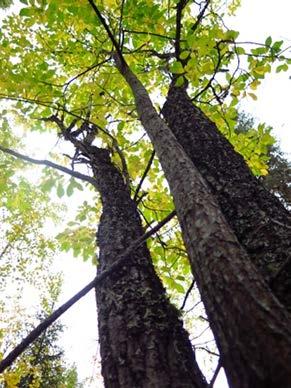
[256,20]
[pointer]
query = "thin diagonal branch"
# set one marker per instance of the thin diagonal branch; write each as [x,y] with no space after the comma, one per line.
[48,163]
[187,294]
[200,16]
[110,34]
[150,33]
[92,67]
[219,365]
[123,259]
[144,175]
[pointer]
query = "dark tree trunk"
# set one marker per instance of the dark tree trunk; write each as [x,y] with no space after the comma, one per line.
[143,343]
[260,221]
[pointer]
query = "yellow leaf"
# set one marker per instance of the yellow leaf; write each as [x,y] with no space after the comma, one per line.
[254,84]
[253,96]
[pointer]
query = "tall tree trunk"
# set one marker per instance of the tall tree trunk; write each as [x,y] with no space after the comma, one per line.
[143,343]
[260,221]
[250,326]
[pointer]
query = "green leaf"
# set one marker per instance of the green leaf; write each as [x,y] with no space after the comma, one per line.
[47,185]
[283,67]
[60,190]
[180,81]
[78,185]
[28,12]
[268,41]
[177,68]
[70,189]
[277,46]
[184,54]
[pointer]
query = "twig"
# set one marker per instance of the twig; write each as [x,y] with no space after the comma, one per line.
[150,33]
[206,350]
[144,175]
[200,16]
[84,72]
[219,365]
[48,163]
[187,294]
[123,259]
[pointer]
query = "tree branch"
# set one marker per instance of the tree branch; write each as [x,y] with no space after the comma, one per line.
[110,34]
[187,294]
[96,282]
[144,175]
[48,163]
[150,33]
[219,365]
[180,6]
[200,16]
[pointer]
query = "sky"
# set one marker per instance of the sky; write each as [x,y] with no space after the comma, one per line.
[256,20]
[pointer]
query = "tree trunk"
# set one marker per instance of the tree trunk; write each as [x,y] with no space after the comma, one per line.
[143,343]
[250,326]
[260,221]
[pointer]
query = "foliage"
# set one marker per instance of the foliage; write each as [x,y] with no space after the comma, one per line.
[5,3]
[278,179]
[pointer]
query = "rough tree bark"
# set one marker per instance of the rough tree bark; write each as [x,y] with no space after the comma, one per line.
[261,222]
[250,326]
[143,343]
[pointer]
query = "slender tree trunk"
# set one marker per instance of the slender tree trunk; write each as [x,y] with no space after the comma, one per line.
[250,326]
[260,221]
[143,343]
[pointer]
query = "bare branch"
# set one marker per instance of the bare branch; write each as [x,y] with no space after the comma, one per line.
[48,163]
[219,365]
[172,38]
[200,16]
[110,34]
[144,175]
[123,259]
[187,294]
